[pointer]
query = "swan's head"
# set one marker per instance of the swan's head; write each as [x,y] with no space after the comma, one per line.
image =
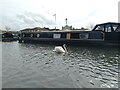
[64,45]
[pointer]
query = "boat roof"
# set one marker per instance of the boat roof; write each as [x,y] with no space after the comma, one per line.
[62,31]
[112,24]
[103,24]
[109,23]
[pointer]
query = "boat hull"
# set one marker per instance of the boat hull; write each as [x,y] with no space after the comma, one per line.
[94,42]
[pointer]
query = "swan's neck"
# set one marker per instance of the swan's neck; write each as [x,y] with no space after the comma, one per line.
[65,48]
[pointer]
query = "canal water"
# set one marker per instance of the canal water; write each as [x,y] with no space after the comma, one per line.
[37,66]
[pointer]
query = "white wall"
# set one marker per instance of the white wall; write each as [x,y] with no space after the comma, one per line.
[119,11]
[1,66]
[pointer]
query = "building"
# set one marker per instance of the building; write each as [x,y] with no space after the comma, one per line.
[67,27]
[36,29]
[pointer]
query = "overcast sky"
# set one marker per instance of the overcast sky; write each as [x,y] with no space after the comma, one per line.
[20,14]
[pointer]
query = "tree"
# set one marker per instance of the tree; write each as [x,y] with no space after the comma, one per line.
[7,28]
[90,26]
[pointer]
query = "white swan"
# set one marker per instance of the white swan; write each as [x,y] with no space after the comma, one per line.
[60,49]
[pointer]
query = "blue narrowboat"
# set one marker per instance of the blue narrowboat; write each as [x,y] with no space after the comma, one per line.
[101,34]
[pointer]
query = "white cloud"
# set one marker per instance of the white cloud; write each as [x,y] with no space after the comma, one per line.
[20,14]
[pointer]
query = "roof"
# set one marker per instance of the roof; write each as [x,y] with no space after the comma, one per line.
[109,23]
[104,25]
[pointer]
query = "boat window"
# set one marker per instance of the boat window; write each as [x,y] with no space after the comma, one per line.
[56,35]
[23,35]
[63,35]
[75,35]
[50,35]
[100,28]
[114,27]
[38,35]
[31,35]
[3,36]
[118,29]
[108,28]
[83,35]
[43,35]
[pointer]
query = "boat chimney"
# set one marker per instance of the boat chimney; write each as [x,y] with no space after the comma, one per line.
[66,21]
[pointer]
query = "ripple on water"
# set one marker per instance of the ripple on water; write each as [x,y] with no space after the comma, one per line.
[38,67]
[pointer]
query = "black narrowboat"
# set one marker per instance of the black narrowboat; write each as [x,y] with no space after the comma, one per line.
[102,34]
[8,36]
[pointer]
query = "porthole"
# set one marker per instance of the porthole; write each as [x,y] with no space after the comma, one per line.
[31,35]
[3,36]
[38,35]
[23,35]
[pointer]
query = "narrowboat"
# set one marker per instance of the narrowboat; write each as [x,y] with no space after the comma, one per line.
[102,34]
[8,37]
